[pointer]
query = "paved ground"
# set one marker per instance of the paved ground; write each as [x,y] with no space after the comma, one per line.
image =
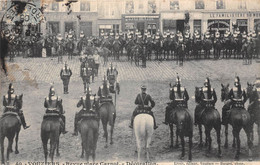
[32,77]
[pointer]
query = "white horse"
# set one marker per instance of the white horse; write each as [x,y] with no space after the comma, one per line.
[143,129]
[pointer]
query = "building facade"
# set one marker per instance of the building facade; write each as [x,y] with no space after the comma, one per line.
[94,16]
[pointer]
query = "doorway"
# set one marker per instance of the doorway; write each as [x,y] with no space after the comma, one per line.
[180,25]
[140,27]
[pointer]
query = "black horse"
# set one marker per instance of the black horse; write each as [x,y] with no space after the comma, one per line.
[253,109]
[238,118]
[210,118]
[10,127]
[181,117]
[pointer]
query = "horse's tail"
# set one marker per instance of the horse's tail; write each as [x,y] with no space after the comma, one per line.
[112,115]
[243,119]
[88,140]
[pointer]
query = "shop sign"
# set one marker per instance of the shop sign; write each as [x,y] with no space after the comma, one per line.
[141,18]
[234,14]
[129,26]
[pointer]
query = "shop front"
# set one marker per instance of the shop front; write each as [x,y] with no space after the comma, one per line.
[141,22]
[108,25]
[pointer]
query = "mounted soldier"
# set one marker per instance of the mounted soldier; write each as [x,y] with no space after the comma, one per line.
[10,105]
[237,31]
[168,33]
[142,101]
[53,103]
[206,98]
[179,96]
[187,35]
[102,34]
[111,34]
[104,93]
[65,75]
[112,75]
[196,35]
[237,98]
[217,35]
[207,34]
[89,106]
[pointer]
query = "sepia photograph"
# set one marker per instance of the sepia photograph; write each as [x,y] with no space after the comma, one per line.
[130,82]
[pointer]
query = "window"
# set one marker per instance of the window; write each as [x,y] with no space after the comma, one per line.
[84,6]
[197,25]
[55,6]
[169,25]
[174,5]
[151,6]
[116,28]
[129,7]
[54,28]
[242,4]
[199,4]
[220,4]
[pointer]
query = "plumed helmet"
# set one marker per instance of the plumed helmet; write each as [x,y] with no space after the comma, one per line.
[237,81]
[11,88]
[178,80]
[52,91]
[207,82]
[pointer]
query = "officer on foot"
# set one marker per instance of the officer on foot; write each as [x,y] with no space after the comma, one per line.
[65,75]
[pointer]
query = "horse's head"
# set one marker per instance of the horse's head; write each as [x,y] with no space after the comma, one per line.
[224,92]
[19,101]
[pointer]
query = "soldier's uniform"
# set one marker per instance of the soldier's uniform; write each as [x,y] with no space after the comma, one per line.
[187,35]
[112,74]
[237,98]
[89,105]
[207,98]
[111,34]
[53,104]
[207,35]
[10,105]
[217,34]
[65,75]
[227,34]
[168,33]
[179,96]
[104,93]
[142,101]
[102,34]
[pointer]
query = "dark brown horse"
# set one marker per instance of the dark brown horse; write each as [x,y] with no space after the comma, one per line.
[107,113]
[238,118]
[181,117]
[88,128]
[50,130]
[253,109]
[210,118]
[10,126]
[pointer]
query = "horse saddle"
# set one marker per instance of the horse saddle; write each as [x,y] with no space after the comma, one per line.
[238,104]
[50,115]
[90,115]
[9,113]
[106,99]
[143,111]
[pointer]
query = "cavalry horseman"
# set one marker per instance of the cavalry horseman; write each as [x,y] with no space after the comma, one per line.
[207,35]
[179,96]
[104,93]
[53,103]
[217,34]
[207,97]
[9,103]
[82,42]
[65,75]
[89,104]
[142,101]
[112,75]
[187,35]
[237,98]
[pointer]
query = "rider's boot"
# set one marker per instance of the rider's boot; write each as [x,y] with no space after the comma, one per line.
[131,124]
[23,121]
